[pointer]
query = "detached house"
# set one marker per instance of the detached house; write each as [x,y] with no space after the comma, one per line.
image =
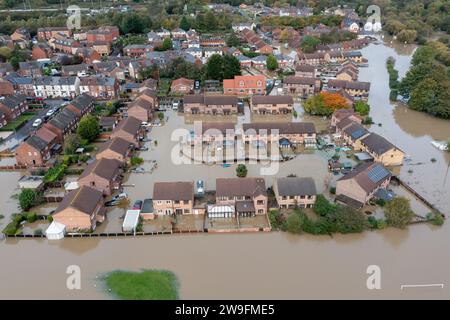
[128,129]
[114,149]
[358,187]
[104,175]
[245,85]
[80,210]
[182,86]
[173,198]
[292,192]
[247,195]
[272,104]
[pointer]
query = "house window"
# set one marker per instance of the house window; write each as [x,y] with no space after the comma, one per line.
[260,202]
[260,211]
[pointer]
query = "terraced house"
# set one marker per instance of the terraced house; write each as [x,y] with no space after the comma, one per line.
[56,87]
[129,130]
[81,105]
[37,149]
[301,86]
[356,89]
[295,132]
[272,104]
[117,149]
[141,109]
[100,87]
[13,106]
[64,123]
[173,198]
[248,196]
[214,105]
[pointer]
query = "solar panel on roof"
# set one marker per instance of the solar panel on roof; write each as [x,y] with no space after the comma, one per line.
[358,133]
[377,173]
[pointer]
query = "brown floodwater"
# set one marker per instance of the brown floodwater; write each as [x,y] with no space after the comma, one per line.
[261,265]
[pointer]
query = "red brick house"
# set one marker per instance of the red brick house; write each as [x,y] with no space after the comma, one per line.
[41,51]
[106,33]
[13,106]
[64,123]
[33,152]
[182,86]
[244,85]
[6,88]
[81,105]
[51,32]
[117,149]
[141,109]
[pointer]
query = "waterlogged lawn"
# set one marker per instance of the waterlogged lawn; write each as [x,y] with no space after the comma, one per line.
[144,285]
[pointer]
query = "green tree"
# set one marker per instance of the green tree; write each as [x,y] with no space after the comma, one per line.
[214,67]
[407,36]
[232,40]
[71,143]
[136,161]
[231,67]
[272,62]
[167,44]
[362,107]
[88,128]
[349,220]
[398,212]
[27,198]
[241,171]
[294,223]
[184,24]
[309,44]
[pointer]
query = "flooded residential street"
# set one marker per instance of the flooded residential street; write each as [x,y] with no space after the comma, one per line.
[259,265]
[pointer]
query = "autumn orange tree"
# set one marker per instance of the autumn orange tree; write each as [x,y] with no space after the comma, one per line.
[324,103]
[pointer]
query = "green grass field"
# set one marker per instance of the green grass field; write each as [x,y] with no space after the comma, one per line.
[144,285]
[18,122]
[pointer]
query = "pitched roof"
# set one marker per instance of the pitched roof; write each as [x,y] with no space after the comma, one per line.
[46,134]
[63,119]
[175,191]
[82,102]
[286,99]
[356,131]
[377,143]
[223,127]
[368,175]
[299,80]
[84,199]
[296,186]
[249,187]
[13,101]
[130,125]
[141,103]
[283,128]
[211,100]
[36,142]
[105,168]
[118,145]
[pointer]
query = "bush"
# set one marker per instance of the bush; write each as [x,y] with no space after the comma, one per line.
[294,223]
[398,212]
[276,219]
[367,121]
[436,218]
[88,128]
[31,217]
[38,232]
[323,207]
[333,190]
[27,198]
[241,171]
[349,220]
[135,161]
[50,219]
[55,173]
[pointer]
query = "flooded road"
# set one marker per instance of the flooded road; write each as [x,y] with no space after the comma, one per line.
[261,265]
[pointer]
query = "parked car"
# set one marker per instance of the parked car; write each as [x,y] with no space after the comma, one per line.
[50,112]
[37,123]
[143,148]
[138,170]
[119,196]
[200,187]
[137,205]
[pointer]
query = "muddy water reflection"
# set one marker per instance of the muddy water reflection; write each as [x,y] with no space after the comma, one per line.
[263,265]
